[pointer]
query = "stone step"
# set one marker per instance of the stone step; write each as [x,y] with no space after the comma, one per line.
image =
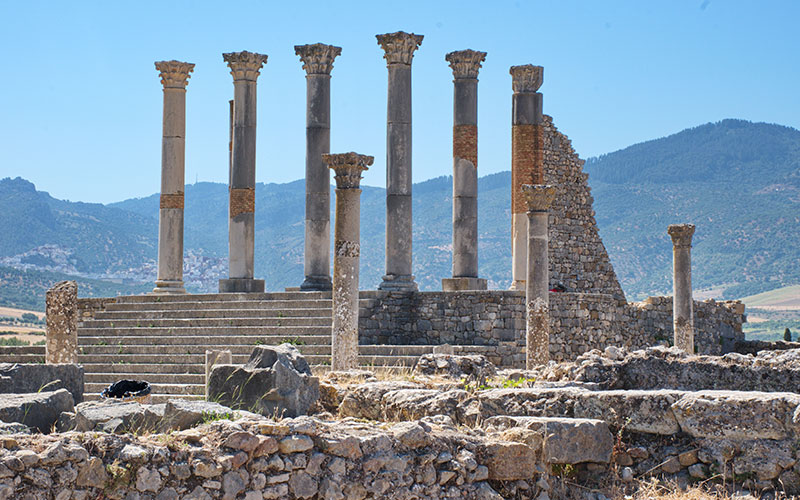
[222,297]
[289,331]
[211,341]
[245,350]
[233,304]
[22,358]
[156,389]
[306,312]
[205,322]
[108,378]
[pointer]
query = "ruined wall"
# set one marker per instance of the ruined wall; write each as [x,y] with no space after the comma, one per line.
[578,258]
[494,322]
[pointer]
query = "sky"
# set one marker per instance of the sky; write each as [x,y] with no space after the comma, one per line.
[81,101]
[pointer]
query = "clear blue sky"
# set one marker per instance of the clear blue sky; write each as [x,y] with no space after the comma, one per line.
[81,101]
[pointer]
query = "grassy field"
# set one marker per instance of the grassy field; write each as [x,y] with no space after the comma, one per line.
[770,313]
[18,330]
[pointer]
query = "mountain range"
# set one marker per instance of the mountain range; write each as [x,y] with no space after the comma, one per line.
[738,181]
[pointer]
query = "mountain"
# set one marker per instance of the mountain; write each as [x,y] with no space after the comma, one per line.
[739,182]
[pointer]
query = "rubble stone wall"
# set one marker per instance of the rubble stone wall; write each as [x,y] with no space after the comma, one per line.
[494,322]
[578,258]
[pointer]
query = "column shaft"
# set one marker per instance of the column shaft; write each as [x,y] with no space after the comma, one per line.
[344,342]
[527,159]
[174,77]
[537,298]
[347,250]
[245,67]
[399,49]
[683,303]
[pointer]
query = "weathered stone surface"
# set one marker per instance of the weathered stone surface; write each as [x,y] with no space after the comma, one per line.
[471,367]
[62,323]
[738,415]
[508,461]
[648,412]
[38,411]
[180,414]
[13,428]
[364,401]
[410,404]
[115,417]
[35,377]
[565,440]
[659,367]
[275,381]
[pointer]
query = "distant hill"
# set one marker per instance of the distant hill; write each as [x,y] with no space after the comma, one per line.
[739,182]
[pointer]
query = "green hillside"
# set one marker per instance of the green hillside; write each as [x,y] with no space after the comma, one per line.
[26,289]
[739,182]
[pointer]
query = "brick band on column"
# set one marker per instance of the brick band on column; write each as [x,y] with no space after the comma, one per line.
[527,161]
[174,200]
[465,143]
[242,201]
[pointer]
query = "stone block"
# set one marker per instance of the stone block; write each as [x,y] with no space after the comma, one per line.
[38,411]
[35,377]
[507,461]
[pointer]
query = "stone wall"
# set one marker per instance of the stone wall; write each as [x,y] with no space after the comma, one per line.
[494,322]
[88,306]
[578,258]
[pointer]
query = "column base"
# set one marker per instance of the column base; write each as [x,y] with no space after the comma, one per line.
[458,284]
[316,284]
[518,285]
[169,286]
[398,283]
[241,285]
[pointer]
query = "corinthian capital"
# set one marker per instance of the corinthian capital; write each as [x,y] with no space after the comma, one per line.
[317,58]
[348,168]
[399,47]
[527,78]
[465,63]
[681,234]
[174,74]
[245,65]
[538,197]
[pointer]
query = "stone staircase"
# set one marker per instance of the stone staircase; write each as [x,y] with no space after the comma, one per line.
[163,339]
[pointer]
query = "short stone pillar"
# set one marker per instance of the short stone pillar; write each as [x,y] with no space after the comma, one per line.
[317,60]
[527,159]
[682,302]
[174,77]
[347,249]
[465,65]
[399,50]
[62,323]
[216,357]
[538,199]
[245,68]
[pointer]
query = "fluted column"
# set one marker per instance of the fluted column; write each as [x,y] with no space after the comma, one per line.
[245,68]
[537,199]
[465,65]
[682,301]
[399,50]
[174,78]
[318,62]
[347,249]
[527,159]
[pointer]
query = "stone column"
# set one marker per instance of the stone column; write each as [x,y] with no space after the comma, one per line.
[347,249]
[399,50]
[245,68]
[537,199]
[527,159]
[682,302]
[62,323]
[174,78]
[465,65]
[318,62]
